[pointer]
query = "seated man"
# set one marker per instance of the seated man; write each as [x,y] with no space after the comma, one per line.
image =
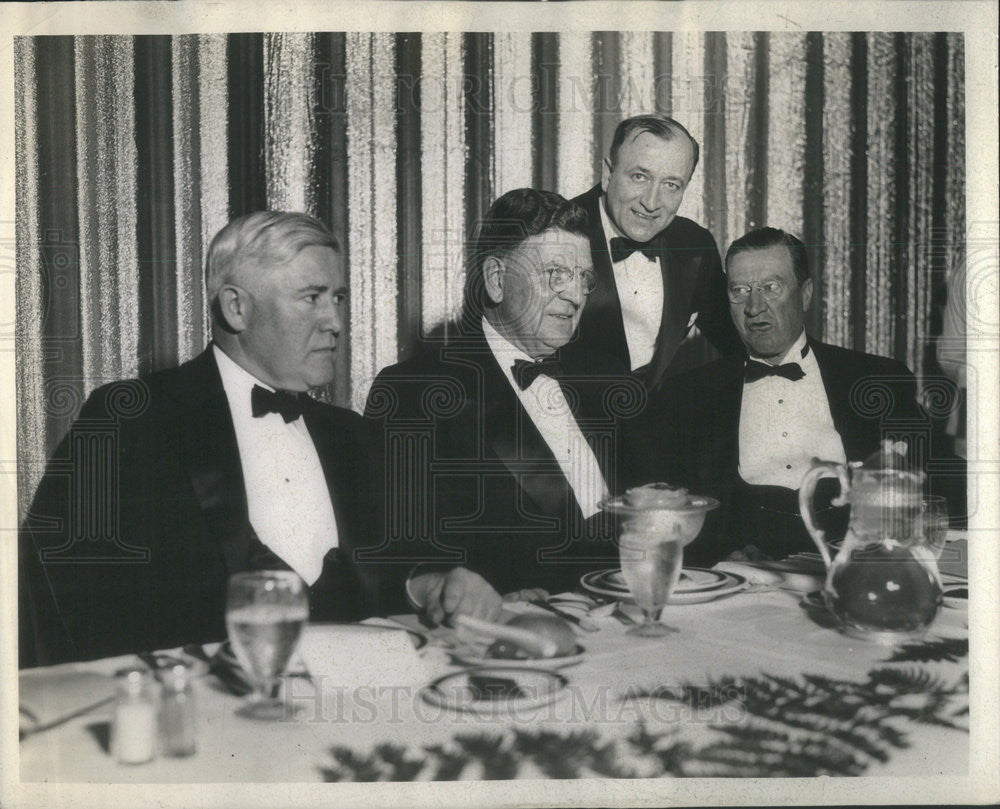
[167,485]
[498,454]
[745,429]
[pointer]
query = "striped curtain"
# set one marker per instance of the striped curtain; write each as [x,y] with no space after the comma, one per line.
[133,151]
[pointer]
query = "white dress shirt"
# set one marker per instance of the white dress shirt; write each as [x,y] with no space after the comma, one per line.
[639,281]
[546,405]
[785,424]
[287,496]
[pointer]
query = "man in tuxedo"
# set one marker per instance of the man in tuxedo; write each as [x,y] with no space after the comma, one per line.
[168,484]
[498,452]
[659,274]
[745,429]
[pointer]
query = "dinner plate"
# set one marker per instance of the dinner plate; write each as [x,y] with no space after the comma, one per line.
[471,657]
[496,689]
[695,585]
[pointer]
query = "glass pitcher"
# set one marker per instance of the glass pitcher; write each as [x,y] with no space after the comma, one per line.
[883,584]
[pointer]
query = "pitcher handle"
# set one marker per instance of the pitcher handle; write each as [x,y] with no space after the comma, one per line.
[821,469]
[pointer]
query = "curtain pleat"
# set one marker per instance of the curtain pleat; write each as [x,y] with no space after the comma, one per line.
[545,109]
[371,182]
[919,144]
[512,102]
[443,152]
[837,156]
[691,89]
[606,94]
[740,102]
[32,276]
[329,181]
[714,149]
[409,194]
[786,131]
[106,173]
[201,175]
[155,221]
[855,142]
[953,193]
[480,140]
[635,68]
[289,102]
[576,123]
[882,197]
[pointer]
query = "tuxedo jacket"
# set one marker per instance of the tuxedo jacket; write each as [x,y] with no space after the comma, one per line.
[141,517]
[693,285]
[471,482]
[693,432]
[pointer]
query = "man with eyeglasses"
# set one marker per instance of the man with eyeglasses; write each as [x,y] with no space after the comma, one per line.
[660,275]
[745,429]
[498,452]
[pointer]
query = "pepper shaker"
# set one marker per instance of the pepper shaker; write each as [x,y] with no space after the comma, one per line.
[177,712]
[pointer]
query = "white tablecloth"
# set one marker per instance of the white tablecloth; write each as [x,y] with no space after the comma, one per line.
[757,634]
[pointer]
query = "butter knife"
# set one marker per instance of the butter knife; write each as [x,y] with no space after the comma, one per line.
[584,623]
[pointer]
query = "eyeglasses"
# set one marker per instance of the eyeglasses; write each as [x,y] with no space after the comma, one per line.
[740,293]
[561,277]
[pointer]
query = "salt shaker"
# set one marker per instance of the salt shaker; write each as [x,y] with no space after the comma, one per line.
[177,712]
[133,739]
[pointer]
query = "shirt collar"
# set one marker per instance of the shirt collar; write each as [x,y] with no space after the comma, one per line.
[504,351]
[610,229]
[235,375]
[794,353]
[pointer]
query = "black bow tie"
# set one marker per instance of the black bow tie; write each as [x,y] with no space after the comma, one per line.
[527,372]
[287,403]
[790,370]
[758,370]
[621,249]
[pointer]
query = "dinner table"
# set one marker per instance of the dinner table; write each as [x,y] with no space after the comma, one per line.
[756,682]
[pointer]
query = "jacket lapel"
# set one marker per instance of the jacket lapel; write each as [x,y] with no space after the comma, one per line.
[335,456]
[204,429]
[680,276]
[513,437]
[730,406]
[838,379]
[602,315]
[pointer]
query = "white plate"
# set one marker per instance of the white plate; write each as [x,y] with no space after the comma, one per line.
[496,689]
[695,586]
[472,657]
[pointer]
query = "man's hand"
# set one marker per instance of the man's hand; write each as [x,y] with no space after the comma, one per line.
[442,596]
[531,594]
[750,553]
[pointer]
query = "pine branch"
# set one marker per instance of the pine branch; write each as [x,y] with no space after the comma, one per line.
[791,727]
[950,650]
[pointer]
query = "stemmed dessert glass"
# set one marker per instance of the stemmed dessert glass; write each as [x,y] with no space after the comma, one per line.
[651,572]
[655,522]
[265,613]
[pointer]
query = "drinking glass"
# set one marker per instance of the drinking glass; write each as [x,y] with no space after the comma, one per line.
[265,613]
[653,524]
[651,570]
[934,514]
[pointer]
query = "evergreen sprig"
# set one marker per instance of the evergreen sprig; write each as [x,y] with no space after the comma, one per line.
[789,727]
[944,649]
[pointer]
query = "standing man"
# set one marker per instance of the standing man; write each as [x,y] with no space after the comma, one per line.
[168,484]
[659,274]
[500,450]
[745,429]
